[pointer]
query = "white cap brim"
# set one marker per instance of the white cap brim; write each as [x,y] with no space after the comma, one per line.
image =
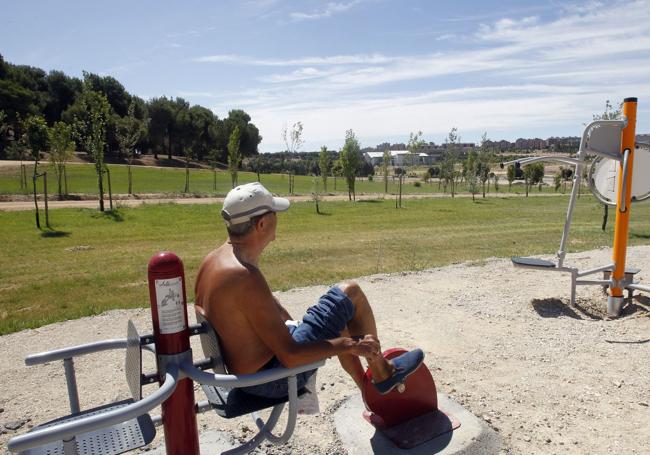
[280,204]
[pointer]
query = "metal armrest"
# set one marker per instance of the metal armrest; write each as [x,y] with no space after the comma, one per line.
[75,351]
[245,380]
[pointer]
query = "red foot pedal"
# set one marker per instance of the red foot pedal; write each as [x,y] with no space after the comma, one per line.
[408,415]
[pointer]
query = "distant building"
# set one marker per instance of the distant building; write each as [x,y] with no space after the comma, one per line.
[397,158]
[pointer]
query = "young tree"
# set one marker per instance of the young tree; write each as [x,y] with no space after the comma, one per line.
[483,167]
[384,169]
[511,174]
[414,144]
[129,130]
[213,159]
[471,169]
[36,137]
[324,162]
[350,159]
[61,150]
[610,113]
[234,154]
[293,138]
[90,130]
[315,194]
[450,158]
[533,174]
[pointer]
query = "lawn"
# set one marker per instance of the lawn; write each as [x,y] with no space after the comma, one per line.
[83,180]
[92,262]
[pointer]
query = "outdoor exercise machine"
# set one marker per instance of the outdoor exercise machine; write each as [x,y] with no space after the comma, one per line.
[127,425]
[617,177]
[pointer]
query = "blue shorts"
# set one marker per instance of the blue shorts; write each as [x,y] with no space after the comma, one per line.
[323,321]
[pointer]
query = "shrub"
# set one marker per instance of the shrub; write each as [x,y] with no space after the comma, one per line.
[417,184]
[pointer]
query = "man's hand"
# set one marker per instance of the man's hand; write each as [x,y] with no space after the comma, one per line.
[366,346]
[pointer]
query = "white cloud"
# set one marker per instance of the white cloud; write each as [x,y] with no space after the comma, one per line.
[357,59]
[327,11]
[513,74]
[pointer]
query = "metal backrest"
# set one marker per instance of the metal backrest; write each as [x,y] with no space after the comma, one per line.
[603,138]
[210,345]
[133,362]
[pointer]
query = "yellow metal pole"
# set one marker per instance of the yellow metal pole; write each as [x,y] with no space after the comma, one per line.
[623,208]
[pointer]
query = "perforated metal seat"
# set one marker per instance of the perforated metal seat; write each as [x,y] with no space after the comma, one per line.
[120,438]
[533,262]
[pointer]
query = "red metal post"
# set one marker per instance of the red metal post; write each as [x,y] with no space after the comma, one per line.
[172,336]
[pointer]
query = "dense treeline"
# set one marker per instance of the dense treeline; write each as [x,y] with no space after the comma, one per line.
[171,126]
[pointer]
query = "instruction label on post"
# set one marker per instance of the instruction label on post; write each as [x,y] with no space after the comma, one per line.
[171,317]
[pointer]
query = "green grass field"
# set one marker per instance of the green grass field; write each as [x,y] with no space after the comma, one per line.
[92,262]
[82,179]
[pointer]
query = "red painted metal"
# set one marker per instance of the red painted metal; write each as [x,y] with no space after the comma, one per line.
[171,333]
[411,417]
[419,396]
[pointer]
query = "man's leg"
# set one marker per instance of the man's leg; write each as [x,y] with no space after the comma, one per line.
[362,323]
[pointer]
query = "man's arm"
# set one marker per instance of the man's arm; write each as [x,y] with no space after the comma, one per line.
[266,317]
[283,311]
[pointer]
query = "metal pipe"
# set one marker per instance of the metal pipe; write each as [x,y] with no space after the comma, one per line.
[68,429]
[597,269]
[84,349]
[75,351]
[558,159]
[259,437]
[291,417]
[203,406]
[638,287]
[623,205]
[244,380]
[71,383]
[569,215]
[590,282]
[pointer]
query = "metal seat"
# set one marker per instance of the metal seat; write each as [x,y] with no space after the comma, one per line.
[119,438]
[533,263]
[235,402]
[232,401]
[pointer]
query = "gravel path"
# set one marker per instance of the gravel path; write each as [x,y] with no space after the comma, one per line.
[502,342]
[123,200]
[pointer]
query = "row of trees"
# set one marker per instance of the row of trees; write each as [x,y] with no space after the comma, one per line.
[169,126]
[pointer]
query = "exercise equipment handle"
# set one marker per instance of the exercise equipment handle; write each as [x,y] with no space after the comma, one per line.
[626,156]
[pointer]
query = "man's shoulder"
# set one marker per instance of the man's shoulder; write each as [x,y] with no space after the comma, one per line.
[227,270]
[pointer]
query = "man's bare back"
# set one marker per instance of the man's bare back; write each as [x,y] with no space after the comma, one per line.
[222,294]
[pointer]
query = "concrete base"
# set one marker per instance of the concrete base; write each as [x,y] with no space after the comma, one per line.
[359,437]
[212,442]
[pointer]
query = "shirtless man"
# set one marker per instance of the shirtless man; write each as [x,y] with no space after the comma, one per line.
[233,295]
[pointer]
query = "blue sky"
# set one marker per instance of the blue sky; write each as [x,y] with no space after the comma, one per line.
[383,68]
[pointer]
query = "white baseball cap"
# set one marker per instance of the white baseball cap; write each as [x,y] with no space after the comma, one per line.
[246,201]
